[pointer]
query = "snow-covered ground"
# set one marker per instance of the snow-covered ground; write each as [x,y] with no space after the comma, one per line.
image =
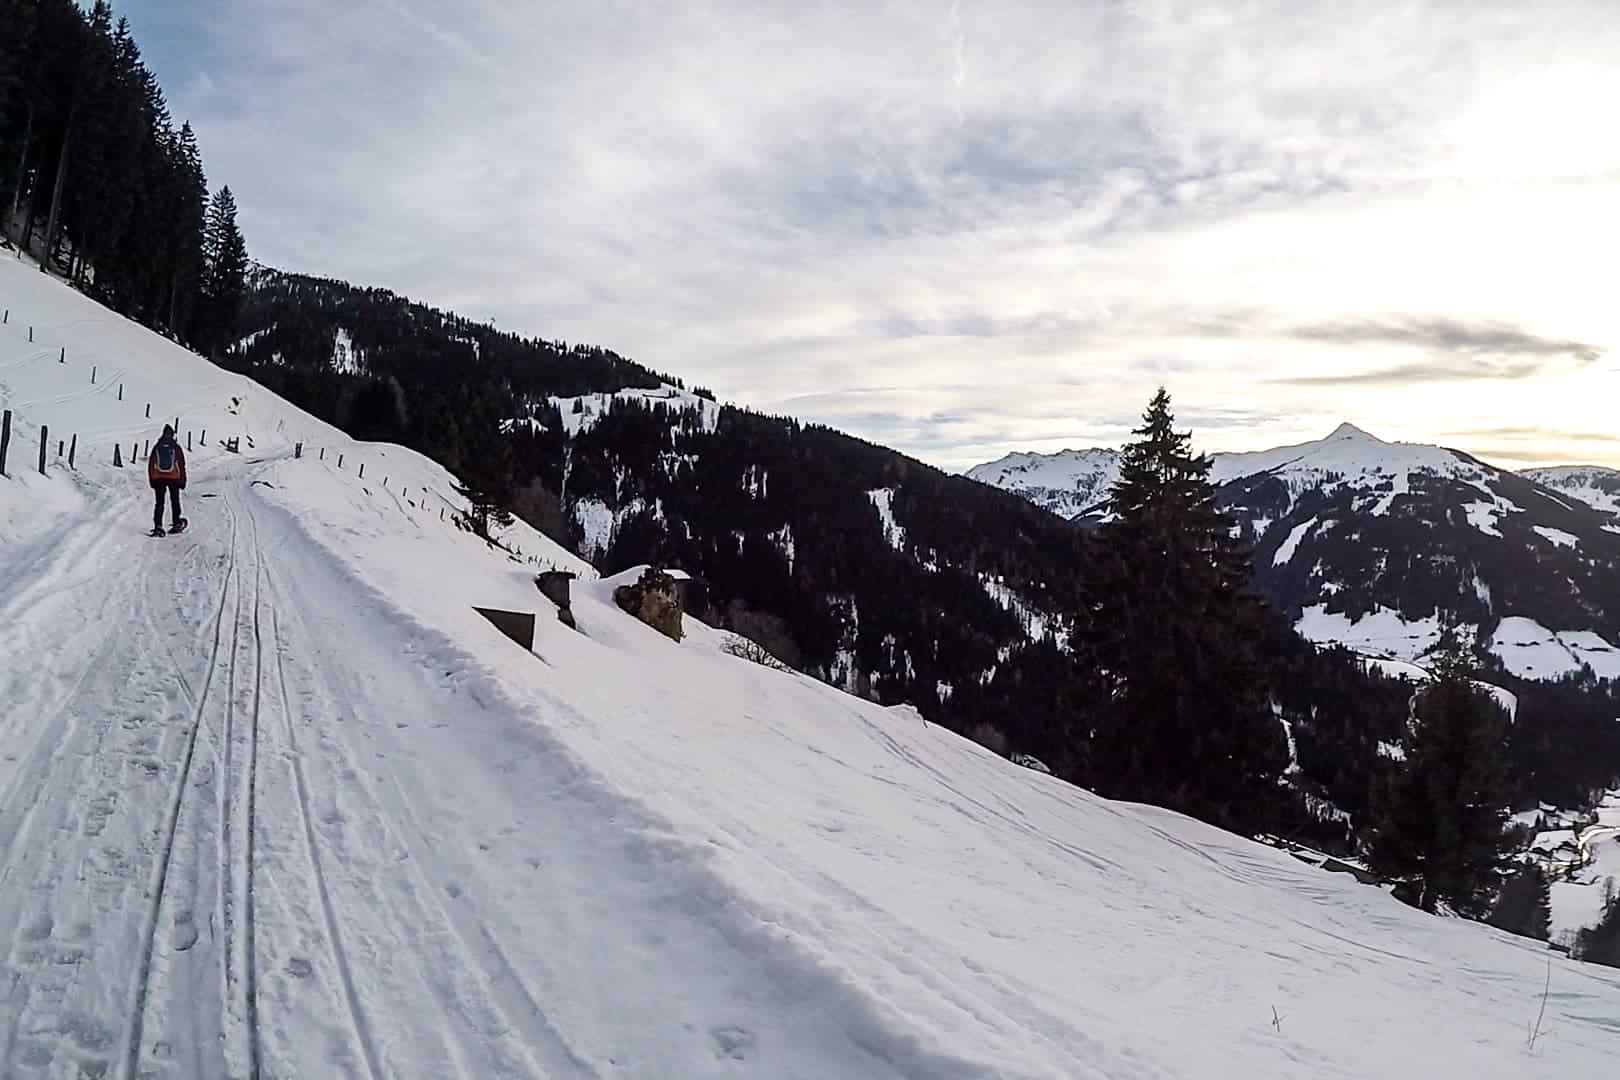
[1591,860]
[275,801]
[580,414]
[1593,485]
[1068,482]
[1531,651]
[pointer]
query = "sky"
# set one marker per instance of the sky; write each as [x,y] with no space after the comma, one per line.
[963,228]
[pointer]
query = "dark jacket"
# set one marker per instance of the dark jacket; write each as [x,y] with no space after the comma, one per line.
[176,473]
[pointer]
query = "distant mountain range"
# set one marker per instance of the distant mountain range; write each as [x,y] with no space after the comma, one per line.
[1375,544]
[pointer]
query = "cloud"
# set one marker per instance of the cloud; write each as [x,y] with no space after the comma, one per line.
[1452,351]
[1002,211]
[1449,335]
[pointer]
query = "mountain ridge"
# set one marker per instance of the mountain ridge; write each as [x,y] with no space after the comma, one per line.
[1373,544]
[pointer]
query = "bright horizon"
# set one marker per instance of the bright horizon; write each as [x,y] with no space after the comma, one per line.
[961,229]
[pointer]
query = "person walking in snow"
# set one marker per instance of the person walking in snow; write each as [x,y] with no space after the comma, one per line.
[166,470]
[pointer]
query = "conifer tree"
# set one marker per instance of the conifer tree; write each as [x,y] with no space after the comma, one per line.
[1186,720]
[224,281]
[1525,904]
[1439,828]
[1600,944]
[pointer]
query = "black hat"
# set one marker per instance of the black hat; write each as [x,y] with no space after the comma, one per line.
[168,430]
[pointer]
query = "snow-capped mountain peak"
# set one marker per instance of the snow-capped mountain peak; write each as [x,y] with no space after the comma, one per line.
[1378,544]
[1347,430]
[1069,483]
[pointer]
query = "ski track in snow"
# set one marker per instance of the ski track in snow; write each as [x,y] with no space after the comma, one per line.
[272,886]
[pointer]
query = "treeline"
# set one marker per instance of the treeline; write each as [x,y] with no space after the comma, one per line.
[97,182]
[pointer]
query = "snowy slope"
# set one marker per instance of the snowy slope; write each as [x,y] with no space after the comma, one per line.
[276,801]
[1593,485]
[1068,483]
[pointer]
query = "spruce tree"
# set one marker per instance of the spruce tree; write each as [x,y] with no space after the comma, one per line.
[1439,828]
[1600,944]
[1525,904]
[1186,720]
[224,281]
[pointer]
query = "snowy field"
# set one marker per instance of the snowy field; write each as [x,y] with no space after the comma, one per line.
[275,801]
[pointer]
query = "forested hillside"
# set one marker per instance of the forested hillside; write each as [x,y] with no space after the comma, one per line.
[98,182]
[847,560]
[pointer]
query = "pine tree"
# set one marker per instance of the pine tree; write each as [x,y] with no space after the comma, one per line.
[1525,904]
[484,467]
[1186,720]
[1439,831]
[1600,944]
[224,279]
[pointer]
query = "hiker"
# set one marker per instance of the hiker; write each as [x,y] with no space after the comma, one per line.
[166,469]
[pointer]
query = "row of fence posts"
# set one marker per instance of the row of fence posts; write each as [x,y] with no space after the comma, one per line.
[73,448]
[70,449]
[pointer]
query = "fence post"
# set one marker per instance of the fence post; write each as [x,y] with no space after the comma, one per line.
[362,470]
[149,410]
[30,335]
[7,319]
[5,438]
[188,440]
[385,481]
[323,453]
[148,448]
[340,461]
[61,447]
[73,450]
[120,391]
[118,455]
[298,451]
[204,437]
[63,358]
[44,437]
[92,374]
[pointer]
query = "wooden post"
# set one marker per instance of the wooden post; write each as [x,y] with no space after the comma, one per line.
[323,453]
[362,470]
[385,481]
[73,450]
[7,319]
[120,391]
[188,440]
[204,437]
[298,451]
[63,358]
[44,438]
[30,335]
[118,455]
[340,461]
[5,438]
[92,374]
[148,451]
[149,410]
[61,447]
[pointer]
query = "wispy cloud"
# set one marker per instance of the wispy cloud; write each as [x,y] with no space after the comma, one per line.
[1054,203]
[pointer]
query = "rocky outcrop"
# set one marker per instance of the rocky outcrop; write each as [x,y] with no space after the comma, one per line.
[656,600]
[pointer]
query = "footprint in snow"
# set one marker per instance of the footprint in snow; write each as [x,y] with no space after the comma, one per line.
[733,1043]
[185,931]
